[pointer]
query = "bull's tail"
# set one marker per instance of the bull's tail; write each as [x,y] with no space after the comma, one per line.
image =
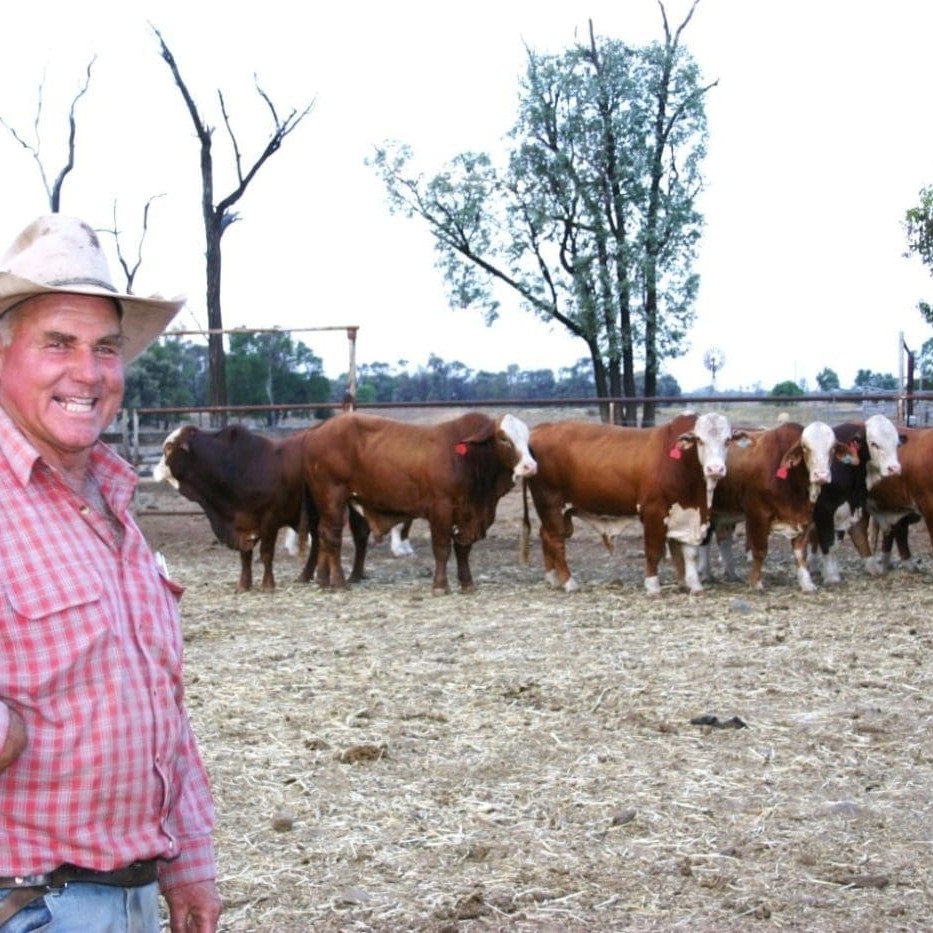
[526,524]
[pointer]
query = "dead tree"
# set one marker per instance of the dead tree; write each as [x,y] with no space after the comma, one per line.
[53,190]
[220,215]
[130,270]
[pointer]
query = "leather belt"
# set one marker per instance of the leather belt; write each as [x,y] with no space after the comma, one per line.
[24,889]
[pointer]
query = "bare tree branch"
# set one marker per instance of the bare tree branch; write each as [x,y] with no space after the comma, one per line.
[129,272]
[217,217]
[281,129]
[56,193]
[53,191]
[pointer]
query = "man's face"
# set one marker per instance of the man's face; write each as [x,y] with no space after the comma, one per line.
[61,377]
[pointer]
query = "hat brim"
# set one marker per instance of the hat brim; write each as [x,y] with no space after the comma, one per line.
[142,319]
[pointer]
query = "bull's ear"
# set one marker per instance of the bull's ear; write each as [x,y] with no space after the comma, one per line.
[741,439]
[847,453]
[685,441]
[482,436]
[792,457]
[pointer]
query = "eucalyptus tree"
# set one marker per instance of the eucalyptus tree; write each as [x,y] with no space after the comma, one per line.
[918,225]
[591,222]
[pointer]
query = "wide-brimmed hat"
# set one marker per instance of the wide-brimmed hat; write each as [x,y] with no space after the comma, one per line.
[62,255]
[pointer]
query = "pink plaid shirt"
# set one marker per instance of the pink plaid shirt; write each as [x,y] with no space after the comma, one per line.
[91,657]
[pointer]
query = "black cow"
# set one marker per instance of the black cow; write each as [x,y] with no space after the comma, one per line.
[250,486]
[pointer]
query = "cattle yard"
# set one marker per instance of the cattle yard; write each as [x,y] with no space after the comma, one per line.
[523,759]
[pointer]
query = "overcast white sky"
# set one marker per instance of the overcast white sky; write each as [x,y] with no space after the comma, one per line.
[820,139]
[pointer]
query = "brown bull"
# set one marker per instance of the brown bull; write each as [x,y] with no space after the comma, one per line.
[452,474]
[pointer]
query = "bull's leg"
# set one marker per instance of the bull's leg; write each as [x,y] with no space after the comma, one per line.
[858,532]
[901,534]
[329,569]
[440,545]
[554,552]
[690,560]
[556,527]
[359,531]
[655,538]
[267,555]
[799,545]
[399,543]
[464,576]
[245,582]
[313,553]
[725,541]
[830,566]
[677,559]
[704,568]
[756,539]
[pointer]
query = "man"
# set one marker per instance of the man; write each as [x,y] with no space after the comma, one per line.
[104,800]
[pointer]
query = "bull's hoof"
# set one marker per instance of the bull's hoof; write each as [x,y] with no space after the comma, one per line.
[440,591]
[552,578]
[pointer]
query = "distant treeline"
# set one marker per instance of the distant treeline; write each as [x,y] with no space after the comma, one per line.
[274,369]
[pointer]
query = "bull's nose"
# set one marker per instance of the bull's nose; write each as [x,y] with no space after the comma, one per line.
[894,469]
[717,470]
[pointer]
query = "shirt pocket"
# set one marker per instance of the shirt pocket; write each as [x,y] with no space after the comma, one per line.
[35,596]
[52,631]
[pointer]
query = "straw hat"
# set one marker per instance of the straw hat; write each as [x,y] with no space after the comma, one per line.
[62,255]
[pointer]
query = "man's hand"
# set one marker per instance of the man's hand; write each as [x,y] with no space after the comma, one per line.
[194,907]
[15,740]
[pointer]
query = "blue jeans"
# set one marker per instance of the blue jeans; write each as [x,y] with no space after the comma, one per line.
[89,908]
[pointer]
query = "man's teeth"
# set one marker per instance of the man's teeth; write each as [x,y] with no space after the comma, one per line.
[77,405]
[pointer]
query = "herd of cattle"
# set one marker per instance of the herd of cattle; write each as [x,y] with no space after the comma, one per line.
[689,482]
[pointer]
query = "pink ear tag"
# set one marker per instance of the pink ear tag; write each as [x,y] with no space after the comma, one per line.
[461,449]
[781,472]
[675,453]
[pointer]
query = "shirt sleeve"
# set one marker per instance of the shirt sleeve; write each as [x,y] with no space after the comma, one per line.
[4,722]
[191,820]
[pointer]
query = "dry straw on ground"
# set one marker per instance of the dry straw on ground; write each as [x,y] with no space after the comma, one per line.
[521,759]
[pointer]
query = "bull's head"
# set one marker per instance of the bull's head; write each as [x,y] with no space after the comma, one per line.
[816,449]
[711,436]
[883,441]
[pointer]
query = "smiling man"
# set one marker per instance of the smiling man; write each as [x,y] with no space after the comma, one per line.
[104,800]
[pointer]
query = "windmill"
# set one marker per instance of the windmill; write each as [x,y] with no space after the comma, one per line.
[714,360]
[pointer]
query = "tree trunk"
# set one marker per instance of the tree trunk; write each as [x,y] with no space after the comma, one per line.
[216,356]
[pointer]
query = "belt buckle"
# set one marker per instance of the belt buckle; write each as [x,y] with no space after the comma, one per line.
[32,881]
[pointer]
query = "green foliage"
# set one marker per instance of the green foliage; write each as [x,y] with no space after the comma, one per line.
[170,374]
[271,368]
[918,226]
[786,389]
[867,380]
[827,380]
[592,221]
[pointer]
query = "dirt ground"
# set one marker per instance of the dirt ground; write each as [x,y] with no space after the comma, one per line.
[522,759]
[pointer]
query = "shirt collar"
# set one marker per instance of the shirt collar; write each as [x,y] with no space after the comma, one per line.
[115,475]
